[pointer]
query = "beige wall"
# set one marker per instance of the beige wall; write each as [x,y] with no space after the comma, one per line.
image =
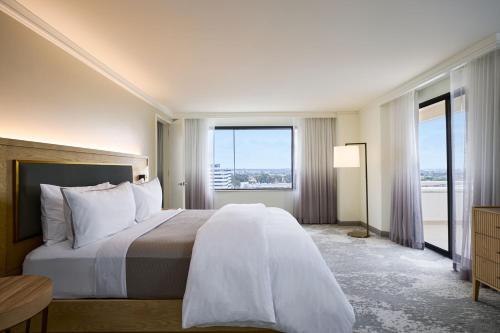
[349,190]
[49,96]
[436,89]
[370,132]
[271,198]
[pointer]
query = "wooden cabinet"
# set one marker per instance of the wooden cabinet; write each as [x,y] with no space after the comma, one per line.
[486,248]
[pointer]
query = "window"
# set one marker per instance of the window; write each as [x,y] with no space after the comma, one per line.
[435,172]
[252,158]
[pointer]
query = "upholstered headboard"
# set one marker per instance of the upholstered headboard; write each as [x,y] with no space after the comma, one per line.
[30,174]
[20,226]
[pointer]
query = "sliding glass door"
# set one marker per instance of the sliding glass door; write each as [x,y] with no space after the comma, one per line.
[435,172]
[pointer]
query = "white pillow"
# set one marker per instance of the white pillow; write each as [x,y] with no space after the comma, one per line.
[52,208]
[98,214]
[148,197]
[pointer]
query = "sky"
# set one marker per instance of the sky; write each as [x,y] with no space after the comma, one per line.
[432,141]
[255,149]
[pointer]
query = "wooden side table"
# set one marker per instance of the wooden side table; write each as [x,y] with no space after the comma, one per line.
[21,298]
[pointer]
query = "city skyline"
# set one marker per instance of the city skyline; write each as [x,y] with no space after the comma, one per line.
[227,178]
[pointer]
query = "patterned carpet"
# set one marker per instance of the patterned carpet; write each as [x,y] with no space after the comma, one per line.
[396,289]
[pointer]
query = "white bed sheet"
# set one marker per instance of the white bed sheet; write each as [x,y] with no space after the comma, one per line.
[72,271]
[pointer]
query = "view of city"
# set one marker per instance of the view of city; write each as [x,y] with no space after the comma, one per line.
[433,175]
[438,178]
[252,158]
[227,179]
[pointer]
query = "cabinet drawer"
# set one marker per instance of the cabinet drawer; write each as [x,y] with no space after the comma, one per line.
[487,223]
[487,271]
[487,247]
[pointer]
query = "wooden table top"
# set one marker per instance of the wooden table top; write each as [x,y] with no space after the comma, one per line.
[22,297]
[495,210]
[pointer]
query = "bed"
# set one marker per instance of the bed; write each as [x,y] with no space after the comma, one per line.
[184,255]
[162,255]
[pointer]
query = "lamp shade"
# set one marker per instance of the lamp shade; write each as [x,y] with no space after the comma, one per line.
[346,156]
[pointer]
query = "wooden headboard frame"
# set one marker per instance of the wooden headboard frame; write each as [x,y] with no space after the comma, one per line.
[12,253]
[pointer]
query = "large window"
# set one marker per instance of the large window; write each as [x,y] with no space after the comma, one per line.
[253,158]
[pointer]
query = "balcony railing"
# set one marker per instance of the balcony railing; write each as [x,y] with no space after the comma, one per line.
[435,211]
[435,200]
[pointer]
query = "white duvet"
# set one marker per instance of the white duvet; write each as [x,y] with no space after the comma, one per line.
[256,266]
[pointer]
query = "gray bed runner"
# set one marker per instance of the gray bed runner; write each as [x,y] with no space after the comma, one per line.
[157,263]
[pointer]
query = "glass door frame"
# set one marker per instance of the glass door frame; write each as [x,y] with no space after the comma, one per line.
[449,170]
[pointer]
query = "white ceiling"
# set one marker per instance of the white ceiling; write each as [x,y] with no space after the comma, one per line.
[269,55]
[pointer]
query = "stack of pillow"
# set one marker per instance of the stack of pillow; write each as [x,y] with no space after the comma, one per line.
[87,214]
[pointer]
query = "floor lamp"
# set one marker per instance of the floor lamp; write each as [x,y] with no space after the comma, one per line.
[348,157]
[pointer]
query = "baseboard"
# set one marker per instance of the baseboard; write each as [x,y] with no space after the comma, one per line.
[376,231]
[349,223]
[363,224]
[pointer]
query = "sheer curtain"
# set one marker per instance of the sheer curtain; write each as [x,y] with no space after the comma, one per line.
[198,161]
[401,140]
[476,147]
[315,197]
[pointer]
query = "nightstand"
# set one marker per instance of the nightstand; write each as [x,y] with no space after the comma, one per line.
[21,298]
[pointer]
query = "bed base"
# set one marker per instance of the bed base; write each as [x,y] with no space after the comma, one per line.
[120,315]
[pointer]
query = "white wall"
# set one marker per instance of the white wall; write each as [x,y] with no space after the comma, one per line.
[348,181]
[438,88]
[47,95]
[370,132]
[271,198]
[349,190]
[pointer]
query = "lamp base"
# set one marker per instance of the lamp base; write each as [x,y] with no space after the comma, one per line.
[359,234]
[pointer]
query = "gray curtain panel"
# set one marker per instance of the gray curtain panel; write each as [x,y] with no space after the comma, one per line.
[198,157]
[401,133]
[476,148]
[316,188]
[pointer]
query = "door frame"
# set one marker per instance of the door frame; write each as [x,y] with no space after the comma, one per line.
[449,170]
[165,122]
[176,144]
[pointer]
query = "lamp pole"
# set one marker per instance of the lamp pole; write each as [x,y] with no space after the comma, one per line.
[361,234]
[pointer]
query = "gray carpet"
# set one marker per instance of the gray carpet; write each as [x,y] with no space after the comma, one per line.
[396,289]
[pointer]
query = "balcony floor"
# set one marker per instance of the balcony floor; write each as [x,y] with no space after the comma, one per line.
[436,233]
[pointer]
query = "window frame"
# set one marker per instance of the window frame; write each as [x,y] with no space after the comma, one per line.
[449,171]
[292,154]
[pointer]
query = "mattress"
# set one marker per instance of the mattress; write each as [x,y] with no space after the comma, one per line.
[157,262]
[71,271]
